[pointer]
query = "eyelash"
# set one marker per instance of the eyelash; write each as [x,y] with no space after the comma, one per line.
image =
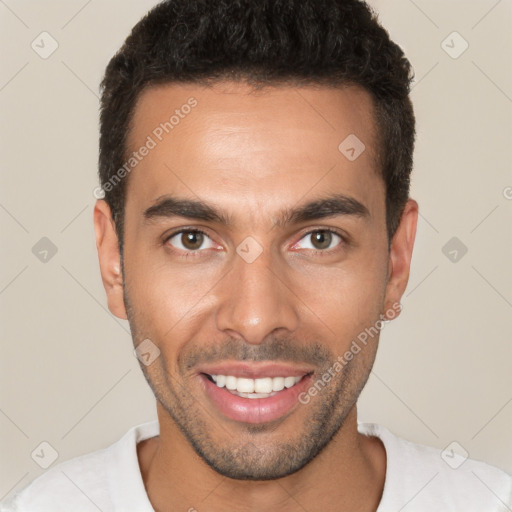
[320,252]
[185,230]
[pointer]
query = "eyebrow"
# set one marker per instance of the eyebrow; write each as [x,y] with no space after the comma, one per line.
[333,205]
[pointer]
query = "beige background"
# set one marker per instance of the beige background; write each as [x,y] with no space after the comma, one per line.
[68,375]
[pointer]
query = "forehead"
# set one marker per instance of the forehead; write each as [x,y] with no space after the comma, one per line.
[269,146]
[313,110]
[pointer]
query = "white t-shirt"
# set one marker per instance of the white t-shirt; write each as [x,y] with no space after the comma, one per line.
[417,480]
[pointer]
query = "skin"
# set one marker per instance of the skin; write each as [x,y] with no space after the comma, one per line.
[252,155]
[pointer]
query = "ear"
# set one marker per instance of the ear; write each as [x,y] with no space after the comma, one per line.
[109,258]
[400,255]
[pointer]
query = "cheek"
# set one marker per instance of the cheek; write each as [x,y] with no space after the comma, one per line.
[346,300]
[169,301]
[160,282]
[175,300]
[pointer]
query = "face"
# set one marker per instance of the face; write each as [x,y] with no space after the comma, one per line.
[255,252]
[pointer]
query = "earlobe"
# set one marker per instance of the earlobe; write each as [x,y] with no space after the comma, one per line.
[400,256]
[107,245]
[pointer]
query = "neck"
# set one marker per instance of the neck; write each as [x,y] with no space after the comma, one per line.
[348,474]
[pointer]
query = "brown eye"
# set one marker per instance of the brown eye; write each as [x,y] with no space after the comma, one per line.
[319,240]
[190,240]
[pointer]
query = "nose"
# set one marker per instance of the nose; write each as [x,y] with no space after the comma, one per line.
[256,299]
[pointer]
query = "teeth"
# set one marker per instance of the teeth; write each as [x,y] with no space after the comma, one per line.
[245,385]
[278,383]
[254,387]
[289,382]
[263,385]
[230,382]
[253,395]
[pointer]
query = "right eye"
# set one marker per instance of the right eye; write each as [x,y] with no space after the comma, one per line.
[190,240]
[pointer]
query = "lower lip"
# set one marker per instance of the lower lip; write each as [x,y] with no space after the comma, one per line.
[255,410]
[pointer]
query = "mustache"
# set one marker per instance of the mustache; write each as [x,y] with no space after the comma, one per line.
[273,349]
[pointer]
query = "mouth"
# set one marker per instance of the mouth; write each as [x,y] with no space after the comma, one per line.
[255,394]
[253,388]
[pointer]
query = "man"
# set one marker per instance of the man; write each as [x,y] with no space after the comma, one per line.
[257,231]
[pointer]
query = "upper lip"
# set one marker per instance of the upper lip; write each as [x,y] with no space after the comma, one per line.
[255,370]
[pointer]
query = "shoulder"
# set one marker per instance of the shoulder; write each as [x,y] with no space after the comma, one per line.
[430,478]
[79,481]
[103,479]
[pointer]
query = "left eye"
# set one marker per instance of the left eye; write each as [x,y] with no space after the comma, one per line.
[320,240]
